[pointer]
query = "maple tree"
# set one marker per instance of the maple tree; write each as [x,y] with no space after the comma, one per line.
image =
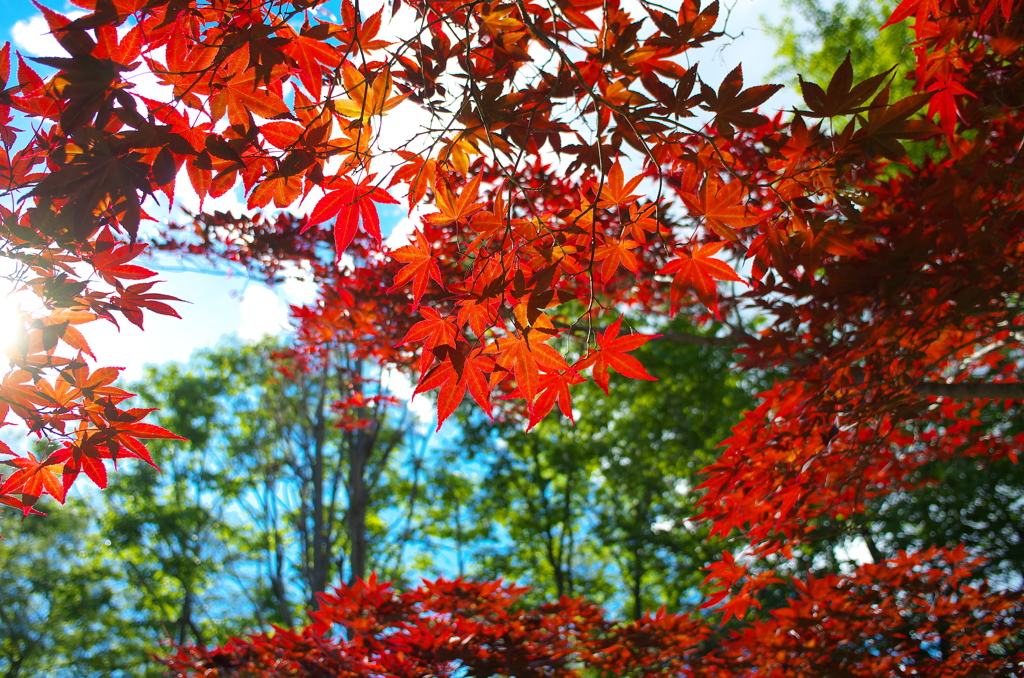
[564,174]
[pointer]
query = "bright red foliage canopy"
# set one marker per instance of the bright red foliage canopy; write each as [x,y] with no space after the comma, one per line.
[832,627]
[561,177]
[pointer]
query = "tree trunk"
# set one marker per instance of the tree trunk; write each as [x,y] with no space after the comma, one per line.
[321,565]
[277,582]
[185,622]
[358,498]
[15,668]
[638,576]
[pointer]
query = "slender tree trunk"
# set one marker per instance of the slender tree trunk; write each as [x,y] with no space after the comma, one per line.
[459,539]
[277,581]
[320,571]
[15,668]
[276,557]
[641,534]
[638,576]
[554,557]
[358,498]
[410,516]
[185,622]
[568,545]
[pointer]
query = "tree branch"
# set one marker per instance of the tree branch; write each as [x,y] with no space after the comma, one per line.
[1013,390]
[734,338]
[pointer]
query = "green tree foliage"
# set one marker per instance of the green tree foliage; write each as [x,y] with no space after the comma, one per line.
[240,528]
[816,35]
[64,610]
[157,557]
[963,501]
[173,530]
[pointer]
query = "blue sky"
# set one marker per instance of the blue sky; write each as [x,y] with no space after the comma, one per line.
[11,11]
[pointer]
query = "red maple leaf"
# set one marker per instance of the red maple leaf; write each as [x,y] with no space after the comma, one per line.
[723,206]
[345,205]
[698,271]
[554,387]
[610,354]
[616,190]
[523,354]
[434,330]
[456,374]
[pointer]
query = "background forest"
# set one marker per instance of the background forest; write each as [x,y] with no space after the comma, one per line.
[287,487]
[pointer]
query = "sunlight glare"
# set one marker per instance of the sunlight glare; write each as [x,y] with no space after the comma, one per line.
[11,324]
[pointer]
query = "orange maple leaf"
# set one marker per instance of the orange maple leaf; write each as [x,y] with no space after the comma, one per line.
[311,55]
[455,209]
[366,99]
[615,252]
[420,267]
[435,330]
[456,374]
[722,206]
[616,190]
[523,355]
[34,478]
[241,94]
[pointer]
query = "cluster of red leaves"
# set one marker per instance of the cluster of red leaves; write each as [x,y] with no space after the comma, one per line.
[76,187]
[913,615]
[907,616]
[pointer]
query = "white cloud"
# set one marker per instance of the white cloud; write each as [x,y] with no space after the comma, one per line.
[402,386]
[32,36]
[298,288]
